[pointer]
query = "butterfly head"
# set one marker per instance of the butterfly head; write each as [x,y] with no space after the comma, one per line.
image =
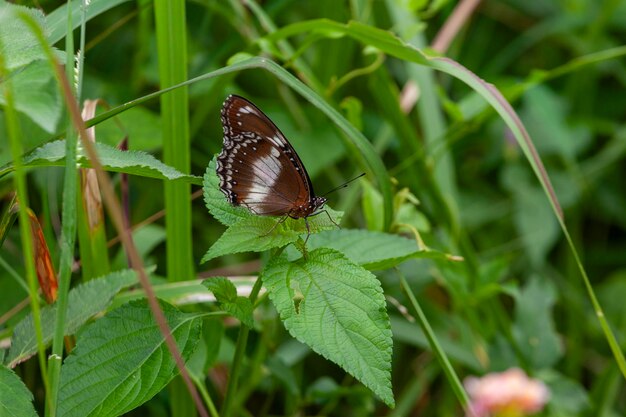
[310,208]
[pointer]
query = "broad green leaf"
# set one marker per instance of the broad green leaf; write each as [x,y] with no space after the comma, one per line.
[15,399]
[255,234]
[84,301]
[260,233]
[38,97]
[222,288]
[121,360]
[129,162]
[534,326]
[19,45]
[338,309]
[226,294]
[372,250]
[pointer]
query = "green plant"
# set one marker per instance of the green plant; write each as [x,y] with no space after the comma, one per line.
[450,249]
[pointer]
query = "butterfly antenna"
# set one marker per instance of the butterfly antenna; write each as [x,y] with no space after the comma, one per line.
[344,185]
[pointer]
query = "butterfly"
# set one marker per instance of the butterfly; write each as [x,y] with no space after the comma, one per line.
[259,169]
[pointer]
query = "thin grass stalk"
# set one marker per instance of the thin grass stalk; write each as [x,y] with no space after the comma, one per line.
[68,233]
[15,139]
[80,58]
[172,49]
[453,379]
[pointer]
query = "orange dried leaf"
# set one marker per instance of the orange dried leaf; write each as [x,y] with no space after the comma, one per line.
[43,264]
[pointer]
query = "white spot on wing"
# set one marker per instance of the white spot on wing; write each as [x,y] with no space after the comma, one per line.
[275,141]
[275,152]
[248,109]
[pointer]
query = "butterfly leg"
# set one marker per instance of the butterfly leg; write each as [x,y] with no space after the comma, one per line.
[308,231]
[282,220]
[330,218]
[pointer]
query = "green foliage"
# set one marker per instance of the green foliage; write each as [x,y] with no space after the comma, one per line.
[250,233]
[534,329]
[526,204]
[226,295]
[130,162]
[85,301]
[338,309]
[121,360]
[19,45]
[15,398]
[372,250]
[39,97]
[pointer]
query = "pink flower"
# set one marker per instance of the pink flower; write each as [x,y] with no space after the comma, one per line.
[507,394]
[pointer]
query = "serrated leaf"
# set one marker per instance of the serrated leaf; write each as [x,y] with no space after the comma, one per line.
[84,301]
[226,294]
[15,399]
[222,288]
[121,360]
[253,234]
[129,162]
[260,233]
[338,309]
[19,44]
[372,250]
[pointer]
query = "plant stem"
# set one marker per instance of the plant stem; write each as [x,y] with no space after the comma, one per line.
[242,341]
[453,379]
[68,231]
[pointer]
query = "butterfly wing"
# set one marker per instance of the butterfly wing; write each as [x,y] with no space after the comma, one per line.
[258,168]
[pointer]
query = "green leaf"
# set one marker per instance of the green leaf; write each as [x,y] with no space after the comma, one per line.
[121,360]
[15,399]
[129,162]
[372,250]
[260,233]
[19,45]
[39,98]
[251,235]
[248,232]
[338,309]
[84,301]
[226,294]
[534,325]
